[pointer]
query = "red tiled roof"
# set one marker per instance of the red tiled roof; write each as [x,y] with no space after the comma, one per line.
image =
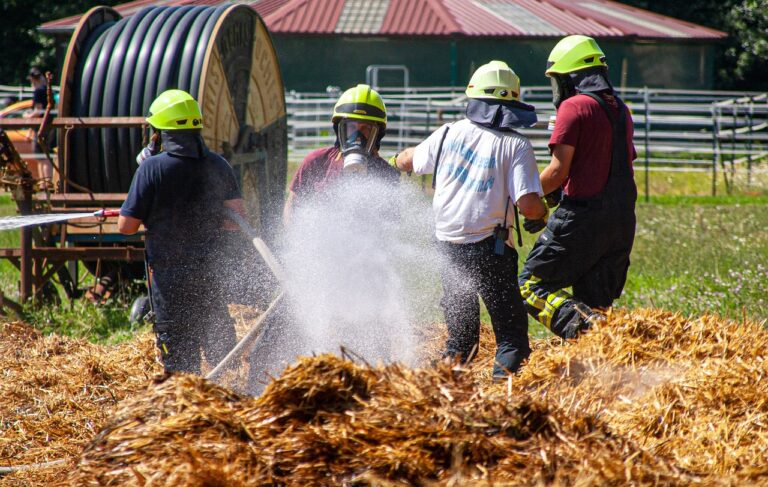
[494,18]
[305,16]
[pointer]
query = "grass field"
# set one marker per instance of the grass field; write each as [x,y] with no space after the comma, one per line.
[692,254]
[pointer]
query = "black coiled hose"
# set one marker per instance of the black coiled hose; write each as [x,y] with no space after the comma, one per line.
[122,67]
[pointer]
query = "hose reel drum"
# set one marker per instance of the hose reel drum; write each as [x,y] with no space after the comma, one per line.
[223,56]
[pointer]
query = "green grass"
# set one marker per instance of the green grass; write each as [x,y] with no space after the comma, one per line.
[79,318]
[694,253]
[106,324]
[701,257]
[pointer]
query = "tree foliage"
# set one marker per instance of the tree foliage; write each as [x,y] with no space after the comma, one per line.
[741,62]
[22,45]
[749,22]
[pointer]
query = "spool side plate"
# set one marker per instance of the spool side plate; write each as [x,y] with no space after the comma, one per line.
[88,23]
[243,103]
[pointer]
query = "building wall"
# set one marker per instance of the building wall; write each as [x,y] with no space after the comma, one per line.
[310,63]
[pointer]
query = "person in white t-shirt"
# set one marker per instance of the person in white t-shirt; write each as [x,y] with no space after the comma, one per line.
[482,167]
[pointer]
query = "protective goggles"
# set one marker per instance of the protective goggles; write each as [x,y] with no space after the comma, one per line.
[357,135]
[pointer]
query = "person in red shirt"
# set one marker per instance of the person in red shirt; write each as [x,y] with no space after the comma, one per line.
[359,121]
[587,241]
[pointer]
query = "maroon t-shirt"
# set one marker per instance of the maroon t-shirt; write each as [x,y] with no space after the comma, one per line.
[322,167]
[319,167]
[582,123]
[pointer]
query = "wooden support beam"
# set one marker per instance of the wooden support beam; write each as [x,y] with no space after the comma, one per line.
[56,254]
[74,122]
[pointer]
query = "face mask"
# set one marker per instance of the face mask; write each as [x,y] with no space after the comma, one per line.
[153,148]
[357,139]
[562,89]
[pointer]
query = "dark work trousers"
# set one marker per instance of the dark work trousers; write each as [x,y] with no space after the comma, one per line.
[191,313]
[586,246]
[469,270]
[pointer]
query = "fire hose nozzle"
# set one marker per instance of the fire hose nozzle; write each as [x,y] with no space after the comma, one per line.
[106,213]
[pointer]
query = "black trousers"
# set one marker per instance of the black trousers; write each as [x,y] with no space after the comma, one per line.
[472,270]
[586,246]
[191,314]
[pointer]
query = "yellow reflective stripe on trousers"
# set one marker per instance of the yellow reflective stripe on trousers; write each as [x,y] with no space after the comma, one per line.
[546,307]
[554,301]
[529,296]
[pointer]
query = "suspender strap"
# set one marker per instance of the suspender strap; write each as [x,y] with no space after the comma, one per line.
[439,153]
[619,151]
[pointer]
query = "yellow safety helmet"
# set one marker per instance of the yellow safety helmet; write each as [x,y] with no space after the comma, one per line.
[361,103]
[175,110]
[574,53]
[495,81]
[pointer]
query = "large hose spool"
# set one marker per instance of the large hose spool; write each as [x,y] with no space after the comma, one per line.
[223,56]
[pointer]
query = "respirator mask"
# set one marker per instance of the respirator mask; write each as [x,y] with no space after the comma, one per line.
[153,148]
[357,139]
[562,88]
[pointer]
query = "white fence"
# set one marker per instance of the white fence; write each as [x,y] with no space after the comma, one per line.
[723,133]
[719,132]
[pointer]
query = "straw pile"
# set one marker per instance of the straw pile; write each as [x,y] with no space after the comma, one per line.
[647,398]
[56,392]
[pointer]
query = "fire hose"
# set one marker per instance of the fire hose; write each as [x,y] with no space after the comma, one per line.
[260,327]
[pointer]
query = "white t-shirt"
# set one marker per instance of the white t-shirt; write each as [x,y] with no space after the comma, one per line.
[479,169]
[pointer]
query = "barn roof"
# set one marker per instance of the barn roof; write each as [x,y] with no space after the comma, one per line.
[475,18]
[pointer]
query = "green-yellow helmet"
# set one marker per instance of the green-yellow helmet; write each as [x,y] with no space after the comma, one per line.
[175,110]
[361,103]
[574,53]
[495,81]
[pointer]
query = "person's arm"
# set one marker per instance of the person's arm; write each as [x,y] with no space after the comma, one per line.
[238,206]
[404,160]
[288,208]
[531,206]
[128,225]
[135,209]
[554,175]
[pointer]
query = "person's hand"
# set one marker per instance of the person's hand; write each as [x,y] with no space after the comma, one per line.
[553,199]
[534,226]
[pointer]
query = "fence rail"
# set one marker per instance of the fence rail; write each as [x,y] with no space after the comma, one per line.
[723,132]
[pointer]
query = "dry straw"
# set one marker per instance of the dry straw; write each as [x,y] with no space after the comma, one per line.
[648,398]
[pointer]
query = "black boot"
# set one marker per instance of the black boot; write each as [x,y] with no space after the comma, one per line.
[574,318]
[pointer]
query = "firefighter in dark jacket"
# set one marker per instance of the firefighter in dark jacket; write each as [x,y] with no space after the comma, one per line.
[588,239]
[181,193]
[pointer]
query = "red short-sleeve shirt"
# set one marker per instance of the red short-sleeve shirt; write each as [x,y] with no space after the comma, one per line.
[318,168]
[582,123]
[322,167]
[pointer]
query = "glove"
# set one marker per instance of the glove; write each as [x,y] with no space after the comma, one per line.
[534,226]
[393,161]
[553,199]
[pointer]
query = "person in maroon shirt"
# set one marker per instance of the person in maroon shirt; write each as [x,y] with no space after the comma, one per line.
[587,241]
[359,121]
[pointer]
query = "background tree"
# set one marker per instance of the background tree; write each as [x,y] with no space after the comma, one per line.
[742,61]
[22,44]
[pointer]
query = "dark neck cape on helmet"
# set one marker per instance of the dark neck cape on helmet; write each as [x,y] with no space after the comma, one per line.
[501,115]
[184,143]
[590,80]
